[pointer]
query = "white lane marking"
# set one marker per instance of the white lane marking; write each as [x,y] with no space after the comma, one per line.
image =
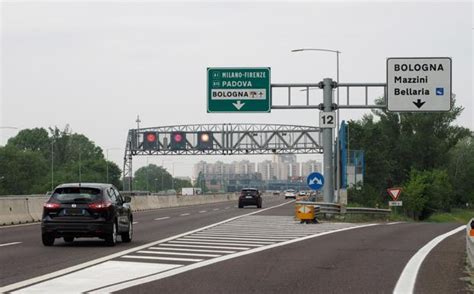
[228,241]
[184,214]
[215,243]
[227,208]
[216,209]
[210,247]
[394,223]
[162,218]
[159,276]
[242,239]
[8,244]
[190,250]
[179,253]
[117,271]
[406,282]
[203,211]
[162,258]
[135,223]
[78,267]
[19,225]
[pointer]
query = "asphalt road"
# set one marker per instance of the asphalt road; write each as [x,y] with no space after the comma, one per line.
[30,258]
[327,257]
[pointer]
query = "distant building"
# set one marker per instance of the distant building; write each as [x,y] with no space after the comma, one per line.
[310,166]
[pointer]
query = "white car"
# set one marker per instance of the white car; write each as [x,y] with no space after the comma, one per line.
[290,193]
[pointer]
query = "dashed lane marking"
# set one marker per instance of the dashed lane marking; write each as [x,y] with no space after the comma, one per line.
[184,214]
[9,244]
[162,218]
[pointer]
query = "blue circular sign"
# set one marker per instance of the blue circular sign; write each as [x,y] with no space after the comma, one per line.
[315,181]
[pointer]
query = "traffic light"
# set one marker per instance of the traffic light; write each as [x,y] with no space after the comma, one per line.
[150,141]
[178,141]
[204,141]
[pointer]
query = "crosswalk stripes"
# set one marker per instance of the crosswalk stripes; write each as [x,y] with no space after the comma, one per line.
[236,236]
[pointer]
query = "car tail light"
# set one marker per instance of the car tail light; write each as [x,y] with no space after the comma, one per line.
[52,205]
[100,205]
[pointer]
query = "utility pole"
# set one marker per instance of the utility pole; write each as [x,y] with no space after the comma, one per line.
[328,188]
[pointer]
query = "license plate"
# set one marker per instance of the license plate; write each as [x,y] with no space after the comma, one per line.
[248,197]
[74,212]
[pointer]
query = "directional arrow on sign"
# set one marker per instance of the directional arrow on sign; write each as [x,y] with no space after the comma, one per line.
[315,180]
[238,105]
[418,103]
[304,209]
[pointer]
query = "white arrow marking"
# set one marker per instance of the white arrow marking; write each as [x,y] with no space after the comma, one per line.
[238,105]
[315,179]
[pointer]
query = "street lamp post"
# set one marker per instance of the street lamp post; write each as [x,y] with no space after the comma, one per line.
[337,176]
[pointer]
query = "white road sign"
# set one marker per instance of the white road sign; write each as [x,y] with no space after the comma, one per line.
[327,119]
[419,84]
[395,203]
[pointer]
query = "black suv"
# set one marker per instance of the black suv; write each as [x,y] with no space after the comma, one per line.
[250,196]
[87,210]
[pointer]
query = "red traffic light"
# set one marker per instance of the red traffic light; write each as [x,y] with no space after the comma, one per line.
[178,137]
[151,137]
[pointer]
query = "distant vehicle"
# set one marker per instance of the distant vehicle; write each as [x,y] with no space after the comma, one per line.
[190,191]
[250,196]
[87,210]
[302,195]
[290,193]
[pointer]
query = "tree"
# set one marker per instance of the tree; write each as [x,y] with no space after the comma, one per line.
[427,192]
[396,143]
[152,178]
[28,158]
[461,172]
[22,172]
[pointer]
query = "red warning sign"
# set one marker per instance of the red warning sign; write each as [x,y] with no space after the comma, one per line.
[394,193]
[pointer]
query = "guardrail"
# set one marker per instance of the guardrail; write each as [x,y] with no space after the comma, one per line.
[470,242]
[334,208]
[29,208]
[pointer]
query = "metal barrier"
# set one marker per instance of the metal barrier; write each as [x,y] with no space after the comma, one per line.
[334,208]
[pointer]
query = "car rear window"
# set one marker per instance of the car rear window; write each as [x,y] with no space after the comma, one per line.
[249,192]
[76,195]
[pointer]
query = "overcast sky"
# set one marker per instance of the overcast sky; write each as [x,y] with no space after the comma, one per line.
[97,65]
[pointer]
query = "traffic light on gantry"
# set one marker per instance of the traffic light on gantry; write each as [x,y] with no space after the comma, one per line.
[204,141]
[150,141]
[178,141]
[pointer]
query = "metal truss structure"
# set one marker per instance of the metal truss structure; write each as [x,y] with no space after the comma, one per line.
[227,139]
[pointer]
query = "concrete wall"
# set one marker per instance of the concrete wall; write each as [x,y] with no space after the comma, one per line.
[26,209]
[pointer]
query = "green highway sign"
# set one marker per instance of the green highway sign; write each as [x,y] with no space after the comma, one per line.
[240,89]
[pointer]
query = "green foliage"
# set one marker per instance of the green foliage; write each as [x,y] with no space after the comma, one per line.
[424,152]
[366,196]
[152,178]
[22,171]
[427,192]
[156,178]
[456,215]
[461,172]
[30,160]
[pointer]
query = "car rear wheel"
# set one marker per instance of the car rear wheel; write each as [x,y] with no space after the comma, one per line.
[111,238]
[68,239]
[127,236]
[240,205]
[48,240]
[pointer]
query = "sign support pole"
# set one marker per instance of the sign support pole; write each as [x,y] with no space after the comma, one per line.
[328,189]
